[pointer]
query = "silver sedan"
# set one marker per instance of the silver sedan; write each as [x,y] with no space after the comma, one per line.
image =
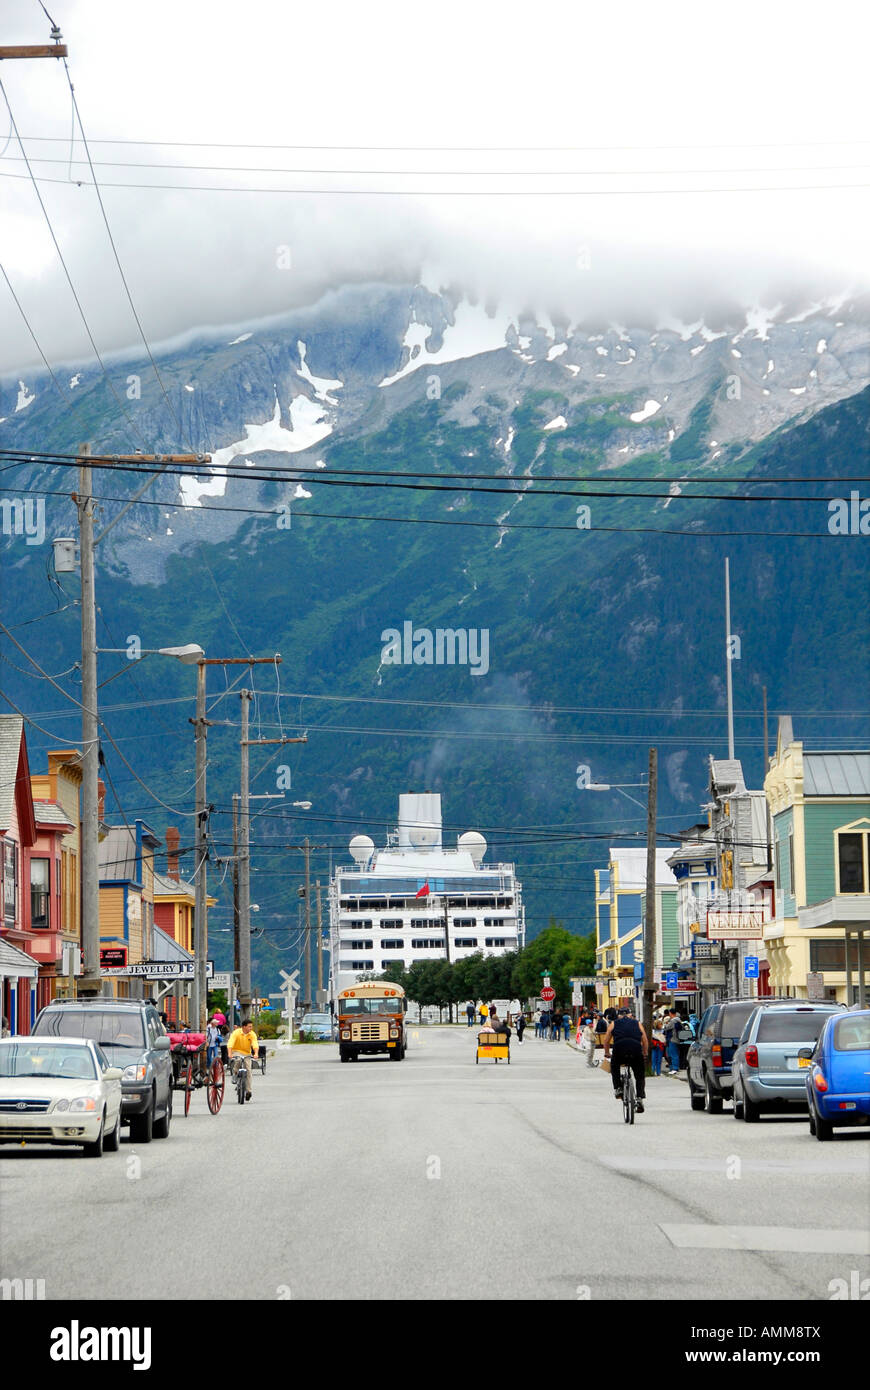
[59,1091]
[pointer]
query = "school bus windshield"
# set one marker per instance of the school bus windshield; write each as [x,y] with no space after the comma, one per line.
[391,1005]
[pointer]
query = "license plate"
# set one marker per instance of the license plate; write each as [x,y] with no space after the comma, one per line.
[795,1063]
[803,1061]
[391,1044]
[848,1105]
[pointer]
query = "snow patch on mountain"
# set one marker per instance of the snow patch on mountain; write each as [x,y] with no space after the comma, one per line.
[650,408]
[74,381]
[243,338]
[309,426]
[556,351]
[472,332]
[560,423]
[322,385]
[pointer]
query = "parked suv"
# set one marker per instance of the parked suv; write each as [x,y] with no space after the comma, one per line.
[708,1063]
[130,1033]
[768,1068]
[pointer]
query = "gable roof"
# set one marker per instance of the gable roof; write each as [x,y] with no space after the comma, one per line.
[15,775]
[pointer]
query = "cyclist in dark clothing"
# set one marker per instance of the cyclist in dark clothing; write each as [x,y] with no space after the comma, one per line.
[628,1044]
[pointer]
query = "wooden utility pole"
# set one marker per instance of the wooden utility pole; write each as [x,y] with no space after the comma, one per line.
[307,923]
[90,983]
[649,926]
[245,873]
[34,50]
[319,940]
[236,882]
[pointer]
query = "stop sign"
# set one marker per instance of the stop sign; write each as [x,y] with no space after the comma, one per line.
[548,993]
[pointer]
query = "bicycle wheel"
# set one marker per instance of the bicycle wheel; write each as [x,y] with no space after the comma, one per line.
[240,1085]
[216,1086]
[628,1095]
[188,1086]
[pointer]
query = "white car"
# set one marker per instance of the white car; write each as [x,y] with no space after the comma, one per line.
[59,1091]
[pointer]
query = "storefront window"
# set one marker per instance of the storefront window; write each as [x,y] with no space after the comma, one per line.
[39,913]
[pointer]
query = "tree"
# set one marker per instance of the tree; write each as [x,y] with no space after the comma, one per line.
[562,953]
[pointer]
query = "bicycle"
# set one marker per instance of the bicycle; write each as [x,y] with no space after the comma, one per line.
[240,1079]
[629,1093]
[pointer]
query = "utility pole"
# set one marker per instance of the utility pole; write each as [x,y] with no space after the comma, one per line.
[245,873]
[236,882]
[319,940]
[200,929]
[243,935]
[728,659]
[307,924]
[91,983]
[649,930]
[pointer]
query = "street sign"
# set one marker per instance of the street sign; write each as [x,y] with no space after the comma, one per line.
[160,969]
[548,993]
[710,974]
[222,980]
[750,967]
[672,979]
[583,980]
[815,985]
[638,971]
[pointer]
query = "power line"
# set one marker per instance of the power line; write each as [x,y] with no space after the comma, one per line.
[505,526]
[451,192]
[476,149]
[66,272]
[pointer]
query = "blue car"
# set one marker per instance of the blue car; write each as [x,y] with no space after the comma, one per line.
[838,1079]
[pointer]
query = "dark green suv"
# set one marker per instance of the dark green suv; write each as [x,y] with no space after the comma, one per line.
[130,1033]
[708,1064]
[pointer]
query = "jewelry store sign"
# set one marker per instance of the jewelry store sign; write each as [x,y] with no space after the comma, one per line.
[160,970]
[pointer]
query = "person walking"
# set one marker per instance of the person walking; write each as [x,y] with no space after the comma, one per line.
[657,1051]
[521,1027]
[213,1038]
[672,1024]
[545,1022]
[588,1042]
[556,1024]
[469,1014]
[484,1013]
[566,1023]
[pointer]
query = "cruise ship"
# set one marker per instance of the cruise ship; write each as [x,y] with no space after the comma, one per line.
[381,914]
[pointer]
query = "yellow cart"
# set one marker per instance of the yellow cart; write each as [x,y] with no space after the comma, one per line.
[494,1045]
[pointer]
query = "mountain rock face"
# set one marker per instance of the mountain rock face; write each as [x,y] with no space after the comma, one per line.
[602,638]
[344,368]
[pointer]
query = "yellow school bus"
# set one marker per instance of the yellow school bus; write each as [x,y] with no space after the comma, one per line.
[371,1018]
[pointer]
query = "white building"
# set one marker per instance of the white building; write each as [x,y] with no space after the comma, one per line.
[376,917]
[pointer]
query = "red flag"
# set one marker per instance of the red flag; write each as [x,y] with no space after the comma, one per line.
[424,891]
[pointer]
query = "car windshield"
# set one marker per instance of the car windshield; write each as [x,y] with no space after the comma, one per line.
[852,1034]
[32,1059]
[393,1005]
[109,1027]
[787,1025]
[317,1020]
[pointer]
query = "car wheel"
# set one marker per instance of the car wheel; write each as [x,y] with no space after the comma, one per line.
[751,1111]
[696,1098]
[712,1102]
[112,1142]
[161,1127]
[142,1126]
[812,1119]
[737,1103]
[95,1150]
[823,1129]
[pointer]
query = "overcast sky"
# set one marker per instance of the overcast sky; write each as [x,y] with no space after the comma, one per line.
[667,96]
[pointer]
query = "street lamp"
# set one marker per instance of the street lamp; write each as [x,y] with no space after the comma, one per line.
[616,787]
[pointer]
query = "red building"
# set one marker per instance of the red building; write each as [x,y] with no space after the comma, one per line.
[31,834]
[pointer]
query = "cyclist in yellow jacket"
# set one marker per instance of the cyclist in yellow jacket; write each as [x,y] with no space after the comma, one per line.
[243,1044]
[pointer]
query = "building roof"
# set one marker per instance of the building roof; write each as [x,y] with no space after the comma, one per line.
[632,867]
[11,728]
[726,774]
[14,963]
[167,948]
[836,774]
[165,886]
[116,856]
[50,813]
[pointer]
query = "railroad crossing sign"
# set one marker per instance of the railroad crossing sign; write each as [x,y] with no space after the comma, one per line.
[548,993]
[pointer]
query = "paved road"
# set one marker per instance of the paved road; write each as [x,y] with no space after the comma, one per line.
[437,1178]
